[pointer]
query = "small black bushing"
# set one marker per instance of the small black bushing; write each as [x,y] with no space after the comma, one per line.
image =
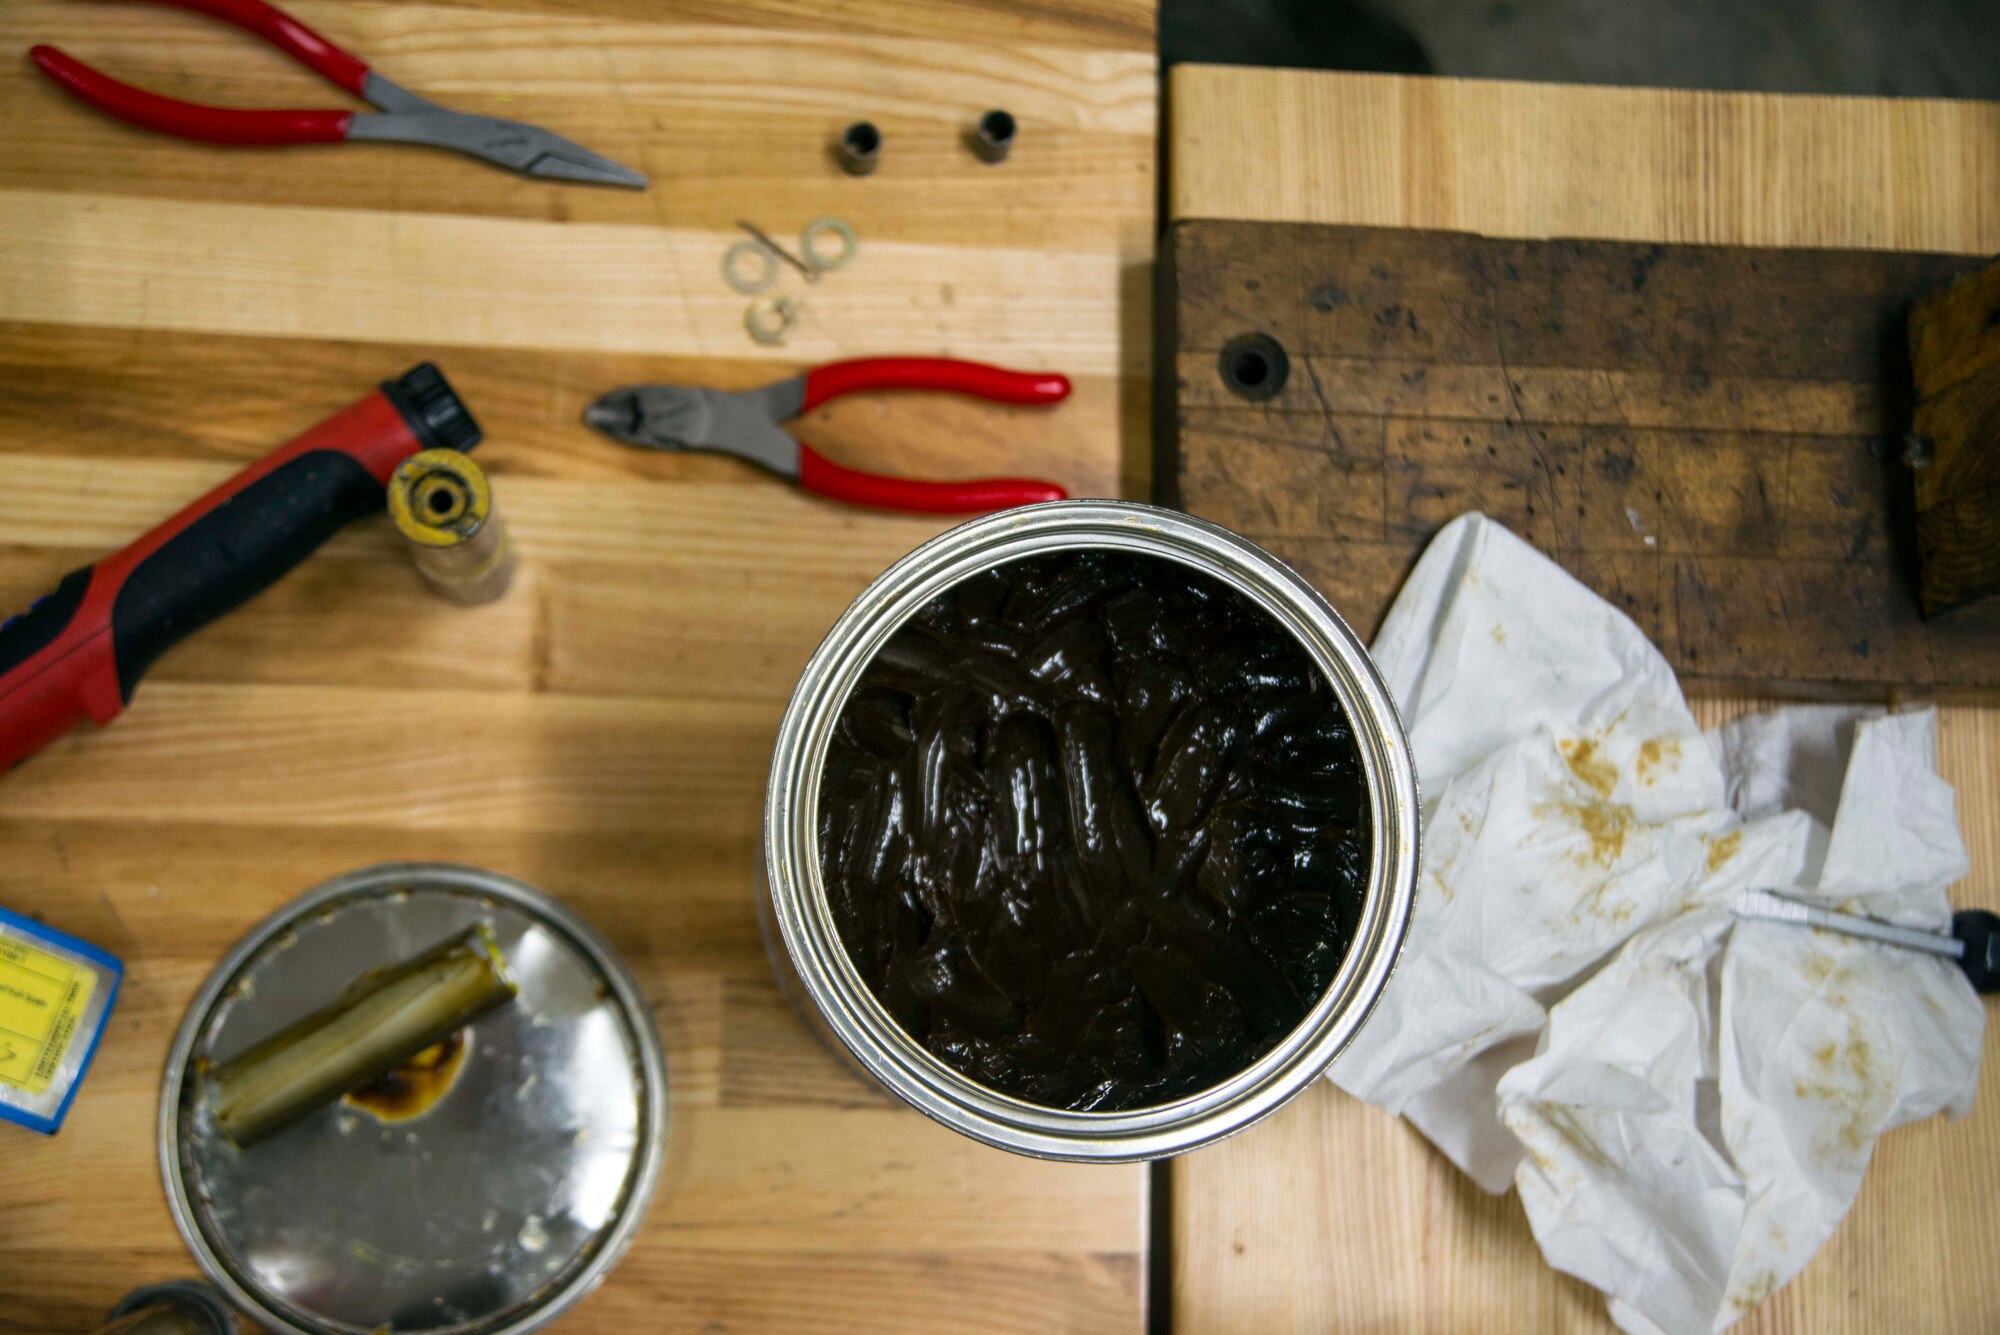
[993,136]
[859,149]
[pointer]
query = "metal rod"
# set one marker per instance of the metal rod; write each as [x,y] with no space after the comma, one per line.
[812,274]
[1770,906]
[383,1018]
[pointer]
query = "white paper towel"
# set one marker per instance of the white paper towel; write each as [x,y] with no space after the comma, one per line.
[1685,1102]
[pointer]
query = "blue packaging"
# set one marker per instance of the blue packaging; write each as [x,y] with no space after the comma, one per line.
[56,994]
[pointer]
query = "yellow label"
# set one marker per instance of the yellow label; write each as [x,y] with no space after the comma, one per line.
[42,1000]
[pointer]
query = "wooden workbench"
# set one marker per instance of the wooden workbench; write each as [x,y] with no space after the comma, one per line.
[170,311]
[1334,1215]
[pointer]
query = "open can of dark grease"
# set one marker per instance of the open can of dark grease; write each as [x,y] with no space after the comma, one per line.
[1091,832]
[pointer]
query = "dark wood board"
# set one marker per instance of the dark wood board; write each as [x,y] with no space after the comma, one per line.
[1955,366]
[1708,436]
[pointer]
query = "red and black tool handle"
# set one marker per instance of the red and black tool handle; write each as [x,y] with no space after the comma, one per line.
[80,650]
[223,125]
[822,476]
[945,374]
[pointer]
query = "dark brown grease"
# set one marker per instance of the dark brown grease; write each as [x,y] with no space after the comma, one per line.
[413,1088]
[1093,829]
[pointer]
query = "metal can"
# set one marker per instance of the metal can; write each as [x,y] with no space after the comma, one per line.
[804,944]
[490,1212]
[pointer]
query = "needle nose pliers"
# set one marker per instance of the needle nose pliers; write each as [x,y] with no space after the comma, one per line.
[405,117]
[745,423]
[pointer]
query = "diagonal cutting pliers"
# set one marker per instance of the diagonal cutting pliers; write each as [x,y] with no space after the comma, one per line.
[745,423]
[404,118]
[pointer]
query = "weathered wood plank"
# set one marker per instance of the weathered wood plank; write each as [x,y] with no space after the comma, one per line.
[1707,429]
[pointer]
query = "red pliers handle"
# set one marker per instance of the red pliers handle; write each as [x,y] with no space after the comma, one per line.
[824,477]
[946,374]
[223,125]
[745,423]
[401,116]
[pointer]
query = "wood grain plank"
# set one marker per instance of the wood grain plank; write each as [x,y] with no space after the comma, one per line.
[782,1293]
[729,121]
[702,1291]
[1556,395]
[279,755]
[181,891]
[1111,25]
[85,392]
[500,282]
[170,311]
[1635,164]
[1332,1215]
[1509,377]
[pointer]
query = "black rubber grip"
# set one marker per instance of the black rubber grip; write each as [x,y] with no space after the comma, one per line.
[24,636]
[437,417]
[1980,930]
[233,553]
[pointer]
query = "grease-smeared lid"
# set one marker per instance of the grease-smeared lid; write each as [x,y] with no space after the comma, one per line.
[490,1194]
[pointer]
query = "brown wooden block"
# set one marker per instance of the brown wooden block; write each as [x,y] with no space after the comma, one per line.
[1695,400]
[1523,476]
[1835,493]
[1286,472]
[1737,619]
[1238,289]
[1690,308]
[1955,354]
[1410,388]
[1953,334]
[1636,583]
[1396,295]
[1358,578]
[1681,493]
[1701,434]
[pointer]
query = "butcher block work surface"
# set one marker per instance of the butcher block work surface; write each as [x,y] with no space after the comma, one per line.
[1333,1215]
[170,311]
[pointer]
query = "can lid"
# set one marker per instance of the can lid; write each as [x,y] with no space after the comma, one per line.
[490,1205]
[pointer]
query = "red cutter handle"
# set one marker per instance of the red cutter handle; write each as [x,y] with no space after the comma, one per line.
[939,373]
[189,120]
[821,475]
[289,35]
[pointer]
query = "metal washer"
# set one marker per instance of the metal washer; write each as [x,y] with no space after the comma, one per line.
[749,286]
[818,227]
[494,1212]
[768,319]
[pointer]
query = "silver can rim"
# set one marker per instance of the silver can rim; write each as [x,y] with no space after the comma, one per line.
[617,976]
[805,921]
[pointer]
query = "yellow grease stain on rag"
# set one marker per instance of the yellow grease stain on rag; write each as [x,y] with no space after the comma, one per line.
[1845,1079]
[1657,755]
[1752,1291]
[1585,763]
[1605,824]
[1721,848]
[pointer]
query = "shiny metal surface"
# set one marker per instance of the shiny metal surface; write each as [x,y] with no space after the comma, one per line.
[813,967]
[1776,906]
[410,118]
[741,422]
[494,1210]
